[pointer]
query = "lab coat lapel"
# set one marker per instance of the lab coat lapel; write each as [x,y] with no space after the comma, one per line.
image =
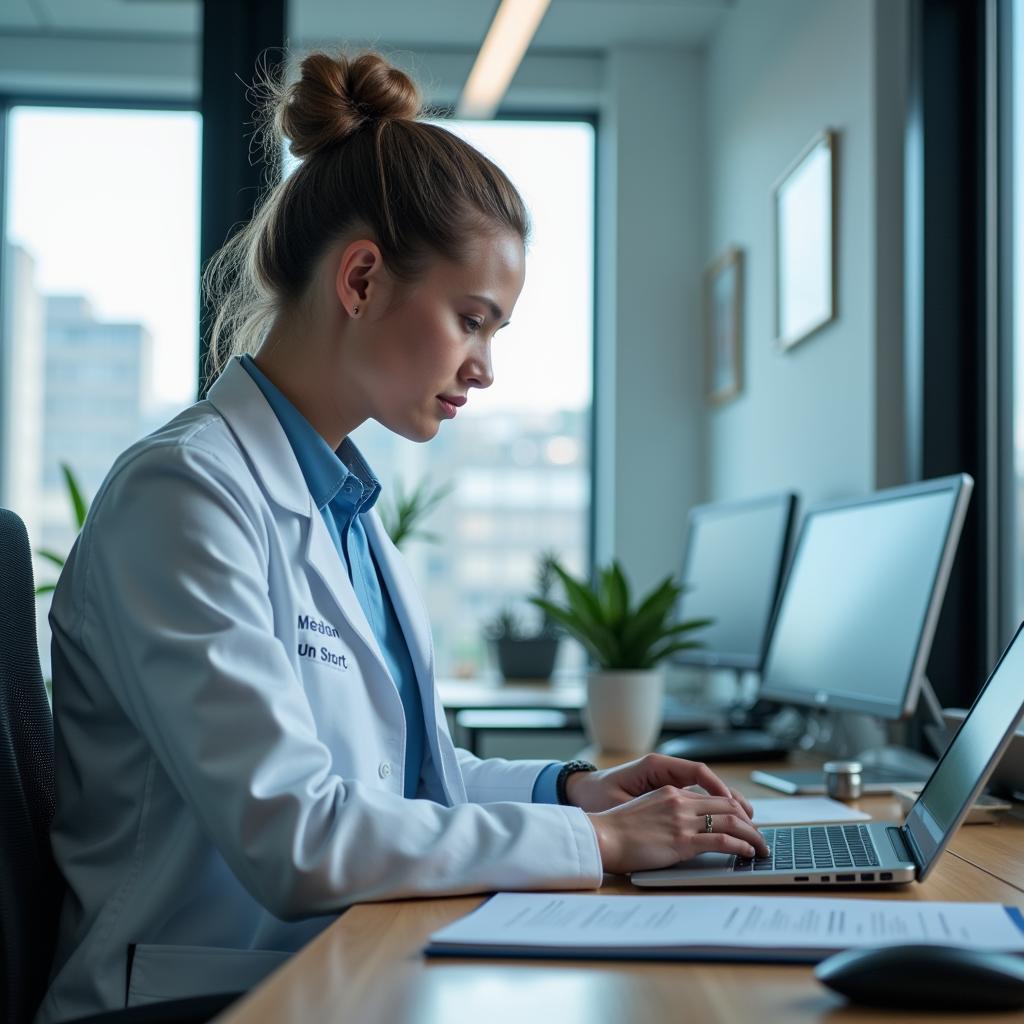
[238,398]
[415,623]
[404,595]
[322,556]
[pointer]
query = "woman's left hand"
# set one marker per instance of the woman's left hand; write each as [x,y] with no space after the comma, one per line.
[602,790]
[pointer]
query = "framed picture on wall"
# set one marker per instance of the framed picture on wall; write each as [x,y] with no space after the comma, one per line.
[723,325]
[805,203]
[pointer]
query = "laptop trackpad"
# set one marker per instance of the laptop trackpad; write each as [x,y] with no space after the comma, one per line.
[710,867]
[716,862]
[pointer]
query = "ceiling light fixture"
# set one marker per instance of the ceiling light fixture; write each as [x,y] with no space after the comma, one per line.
[514,25]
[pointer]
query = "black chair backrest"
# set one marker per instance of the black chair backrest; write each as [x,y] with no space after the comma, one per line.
[30,885]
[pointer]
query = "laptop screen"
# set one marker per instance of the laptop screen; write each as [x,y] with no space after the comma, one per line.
[969,758]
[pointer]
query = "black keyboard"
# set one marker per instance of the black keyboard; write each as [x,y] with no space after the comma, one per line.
[806,847]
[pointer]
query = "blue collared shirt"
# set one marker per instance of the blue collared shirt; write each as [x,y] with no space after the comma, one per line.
[344,488]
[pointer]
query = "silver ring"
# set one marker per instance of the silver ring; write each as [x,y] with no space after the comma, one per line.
[707,822]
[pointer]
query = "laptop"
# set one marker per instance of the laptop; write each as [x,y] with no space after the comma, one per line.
[883,852]
[1007,778]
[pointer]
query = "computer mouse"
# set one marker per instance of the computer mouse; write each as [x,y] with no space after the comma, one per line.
[926,977]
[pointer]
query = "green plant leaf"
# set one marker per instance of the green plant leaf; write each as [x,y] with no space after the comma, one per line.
[595,641]
[590,634]
[614,595]
[649,622]
[400,521]
[687,627]
[657,654]
[547,561]
[79,506]
[664,634]
[621,587]
[584,618]
[599,616]
[504,625]
[581,599]
[51,556]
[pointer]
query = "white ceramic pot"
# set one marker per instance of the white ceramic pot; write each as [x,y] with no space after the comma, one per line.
[624,710]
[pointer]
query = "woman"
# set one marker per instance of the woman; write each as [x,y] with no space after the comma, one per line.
[248,734]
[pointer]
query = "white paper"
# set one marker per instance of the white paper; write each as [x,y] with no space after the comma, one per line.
[803,810]
[585,922]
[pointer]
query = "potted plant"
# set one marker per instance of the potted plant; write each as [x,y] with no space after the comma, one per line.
[79,510]
[402,520]
[628,643]
[524,653]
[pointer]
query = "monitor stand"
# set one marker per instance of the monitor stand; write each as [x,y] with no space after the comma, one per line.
[731,745]
[751,737]
[886,767]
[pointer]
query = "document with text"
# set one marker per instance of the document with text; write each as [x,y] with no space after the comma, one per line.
[803,810]
[718,927]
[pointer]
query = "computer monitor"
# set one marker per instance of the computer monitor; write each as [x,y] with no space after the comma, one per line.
[732,568]
[862,597]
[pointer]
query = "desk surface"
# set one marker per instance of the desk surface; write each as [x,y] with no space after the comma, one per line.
[368,966]
[997,849]
[565,693]
[487,694]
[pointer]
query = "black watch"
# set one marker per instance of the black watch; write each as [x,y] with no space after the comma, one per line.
[570,768]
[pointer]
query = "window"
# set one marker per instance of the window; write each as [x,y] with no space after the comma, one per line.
[99,297]
[518,456]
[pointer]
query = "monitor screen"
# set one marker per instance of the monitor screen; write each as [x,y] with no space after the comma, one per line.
[735,552]
[861,599]
[969,758]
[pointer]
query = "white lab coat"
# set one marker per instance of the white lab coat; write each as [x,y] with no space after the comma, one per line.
[220,795]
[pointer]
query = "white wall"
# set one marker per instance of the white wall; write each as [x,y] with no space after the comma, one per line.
[824,417]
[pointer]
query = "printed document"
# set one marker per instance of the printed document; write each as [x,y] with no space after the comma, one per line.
[803,810]
[763,927]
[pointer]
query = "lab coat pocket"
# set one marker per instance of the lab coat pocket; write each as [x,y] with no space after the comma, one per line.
[159,972]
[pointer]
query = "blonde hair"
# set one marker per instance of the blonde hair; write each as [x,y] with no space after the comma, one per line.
[368,160]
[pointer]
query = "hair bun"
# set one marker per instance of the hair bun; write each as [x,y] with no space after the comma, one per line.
[336,96]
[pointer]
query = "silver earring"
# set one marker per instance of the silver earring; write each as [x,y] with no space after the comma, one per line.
[355,311]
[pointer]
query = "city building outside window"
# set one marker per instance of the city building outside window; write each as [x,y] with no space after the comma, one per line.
[99,299]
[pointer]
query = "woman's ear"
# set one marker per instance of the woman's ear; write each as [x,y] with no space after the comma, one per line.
[359,280]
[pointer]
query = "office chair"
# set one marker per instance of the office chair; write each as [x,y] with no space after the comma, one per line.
[31,887]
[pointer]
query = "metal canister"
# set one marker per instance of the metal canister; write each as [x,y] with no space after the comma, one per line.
[843,779]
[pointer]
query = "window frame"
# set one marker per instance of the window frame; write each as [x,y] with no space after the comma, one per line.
[958,347]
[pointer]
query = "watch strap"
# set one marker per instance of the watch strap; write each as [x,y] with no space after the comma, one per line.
[570,768]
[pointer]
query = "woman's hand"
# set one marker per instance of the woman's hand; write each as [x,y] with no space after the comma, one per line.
[602,790]
[645,817]
[670,825]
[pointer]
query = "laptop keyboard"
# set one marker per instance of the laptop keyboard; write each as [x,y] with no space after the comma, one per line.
[805,847]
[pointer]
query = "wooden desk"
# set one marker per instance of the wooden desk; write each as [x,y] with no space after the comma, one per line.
[564,694]
[997,848]
[368,967]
